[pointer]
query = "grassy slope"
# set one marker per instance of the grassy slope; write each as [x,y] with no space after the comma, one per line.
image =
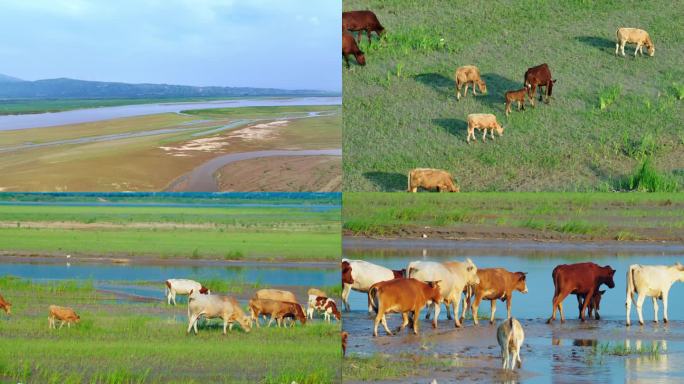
[600,215]
[225,233]
[146,343]
[400,111]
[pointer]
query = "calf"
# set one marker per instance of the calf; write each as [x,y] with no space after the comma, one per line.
[328,307]
[430,179]
[402,296]
[518,96]
[349,47]
[468,74]
[510,336]
[362,21]
[5,305]
[182,287]
[63,315]
[215,306]
[495,284]
[654,281]
[580,279]
[594,304]
[311,303]
[483,121]
[633,36]
[539,76]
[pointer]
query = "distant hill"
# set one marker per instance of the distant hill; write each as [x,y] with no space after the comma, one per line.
[64,88]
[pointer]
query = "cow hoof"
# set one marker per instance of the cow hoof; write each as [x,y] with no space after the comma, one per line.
[434,325]
[641,323]
[665,321]
[562,321]
[628,324]
[548,321]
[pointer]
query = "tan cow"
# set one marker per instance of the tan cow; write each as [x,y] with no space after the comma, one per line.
[215,306]
[633,36]
[275,294]
[510,336]
[64,315]
[468,74]
[402,296]
[495,284]
[430,178]
[5,305]
[483,121]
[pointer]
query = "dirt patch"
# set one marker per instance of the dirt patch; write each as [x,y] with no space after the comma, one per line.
[299,173]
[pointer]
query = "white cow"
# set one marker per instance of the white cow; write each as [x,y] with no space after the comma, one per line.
[364,275]
[313,294]
[212,306]
[454,277]
[654,281]
[182,287]
[510,336]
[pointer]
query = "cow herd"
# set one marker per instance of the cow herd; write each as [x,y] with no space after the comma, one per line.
[429,284]
[469,75]
[280,305]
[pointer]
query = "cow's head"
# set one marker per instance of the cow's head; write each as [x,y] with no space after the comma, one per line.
[360,58]
[299,312]
[471,273]
[650,47]
[607,279]
[435,295]
[347,273]
[499,129]
[521,283]
[204,290]
[679,268]
[77,319]
[246,323]
[8,308]
[482,85]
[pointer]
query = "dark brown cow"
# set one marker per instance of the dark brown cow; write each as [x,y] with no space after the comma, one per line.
[402,296]
[360,21]
[539,76]
[495,284]
[579,279]
[345,336]
[5,305]
[399,273]
[349,47]
[594,304]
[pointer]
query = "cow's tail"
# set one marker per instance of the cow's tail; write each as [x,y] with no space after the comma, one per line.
[410,269]
[373,298]
[630,284]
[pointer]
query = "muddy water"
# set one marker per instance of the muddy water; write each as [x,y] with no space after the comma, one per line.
[552,353]
[11,122]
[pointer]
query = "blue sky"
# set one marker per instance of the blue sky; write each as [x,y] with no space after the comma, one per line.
[260,43]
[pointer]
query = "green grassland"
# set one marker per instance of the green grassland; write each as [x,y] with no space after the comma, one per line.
[610,216]
[613,123]
[120,342]
[230,233]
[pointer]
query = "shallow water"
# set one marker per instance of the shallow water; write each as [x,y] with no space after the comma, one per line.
[10,122]
[556,352]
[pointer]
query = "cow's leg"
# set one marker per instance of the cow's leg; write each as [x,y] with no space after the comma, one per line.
[639,305]
[270,321]
[664,296]
[446,304]
[225,326]
[465,93]
[504,356]
[378,317]
[628,307]
[370,307]
[416,313]
[641,50]
[580,303]
[191,321]
[474,309]
[508,107]
[368,34]
[358,36]
[617,47]
[655,308]
[491,133]
[587,300]
[404,322]
[484,135]
[434,321]
[427,311]
[493,308]
[384,324]
[562,314]
[637,49]
[473,85]
[345,296]
[172,293]
[458,90]
[457,321]
[622,48]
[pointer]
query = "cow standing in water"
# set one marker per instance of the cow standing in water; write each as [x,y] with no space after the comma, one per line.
[580,279]
[360,275]
[182,287]
[654,281]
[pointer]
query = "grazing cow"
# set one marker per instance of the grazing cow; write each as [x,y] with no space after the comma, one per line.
[5,305]
[633,36]
[518,96]
[539,76]
[594,304]
[654,281]
[510,336]
[468,74]
[345,336]
[580,279]
[63,315]
[430,178]
[454,276]
[360,21]
[313,294]
[402,296]
[278,310]
[483,121]
[359,275]
[213,306]
[275,294]
[328,307]
[349,47]
[182,287]
[287,310]
[495,284]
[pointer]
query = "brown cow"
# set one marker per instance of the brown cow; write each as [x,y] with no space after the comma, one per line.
[345,336]
[349,47]
[430,178]
[579,279]
[594,304]
[5,305]
[539,76]
[495,284]
[518,96]
[64,315]
[362,21]
[278,310]
[402,296]
[347,273]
